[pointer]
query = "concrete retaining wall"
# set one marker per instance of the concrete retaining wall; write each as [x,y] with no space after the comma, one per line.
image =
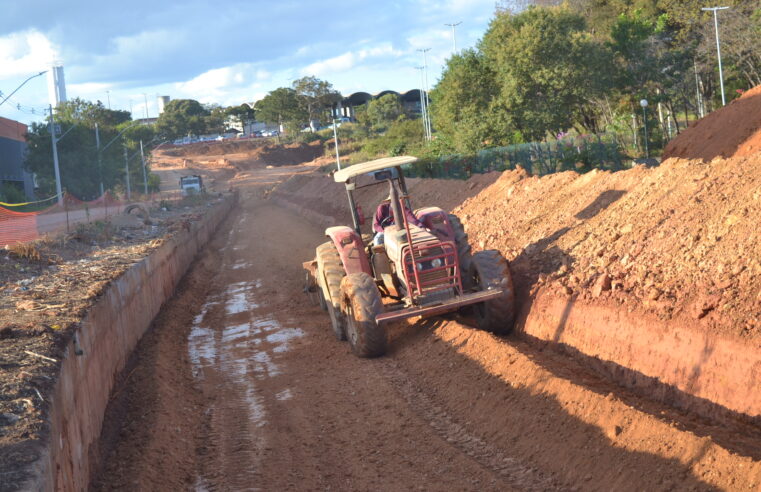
[106,337]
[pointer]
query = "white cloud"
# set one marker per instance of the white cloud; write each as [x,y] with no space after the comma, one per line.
[26,52]
[89,88]
[216,80]
[348,60]
[262,74]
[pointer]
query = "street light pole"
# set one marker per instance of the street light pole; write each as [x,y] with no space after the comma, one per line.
[54,141]
[425,92]
[97,151]
[22,85]
[454,35]
[718,48]
[643,103]
[126,172]
[423,109]
[145,176]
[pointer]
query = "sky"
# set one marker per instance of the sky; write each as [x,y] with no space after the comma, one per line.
[226,52]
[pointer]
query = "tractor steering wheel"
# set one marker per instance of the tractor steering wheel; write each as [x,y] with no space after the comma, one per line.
[387,221]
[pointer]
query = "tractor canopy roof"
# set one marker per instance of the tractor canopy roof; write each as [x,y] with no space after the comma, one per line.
[347,173]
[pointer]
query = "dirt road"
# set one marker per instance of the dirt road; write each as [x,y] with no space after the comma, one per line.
[240,385]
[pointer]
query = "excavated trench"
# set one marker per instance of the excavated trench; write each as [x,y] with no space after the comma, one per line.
[240,384]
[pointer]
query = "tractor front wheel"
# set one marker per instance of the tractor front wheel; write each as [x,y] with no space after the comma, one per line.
[361,303]
[489,269]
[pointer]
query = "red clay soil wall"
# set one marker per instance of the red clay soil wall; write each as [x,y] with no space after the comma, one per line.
[713,375]
[106,337]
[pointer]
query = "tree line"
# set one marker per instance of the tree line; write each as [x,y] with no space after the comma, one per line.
[584,66]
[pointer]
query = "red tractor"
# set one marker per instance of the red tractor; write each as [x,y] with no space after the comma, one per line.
[418,271]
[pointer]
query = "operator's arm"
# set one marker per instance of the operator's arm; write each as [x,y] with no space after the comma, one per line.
[412,219]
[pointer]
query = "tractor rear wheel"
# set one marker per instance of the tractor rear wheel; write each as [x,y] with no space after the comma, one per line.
[361,303]
[463,250]
[489,269]
[330,271]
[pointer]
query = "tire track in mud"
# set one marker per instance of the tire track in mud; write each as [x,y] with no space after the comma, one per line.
[512,471]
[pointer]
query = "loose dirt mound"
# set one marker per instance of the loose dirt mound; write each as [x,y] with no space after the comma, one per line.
[320,193]
[286,155]
[677,240]
[215,148]
[732,131]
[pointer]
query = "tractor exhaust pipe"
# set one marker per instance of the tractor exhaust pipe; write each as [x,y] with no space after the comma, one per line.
[395,207]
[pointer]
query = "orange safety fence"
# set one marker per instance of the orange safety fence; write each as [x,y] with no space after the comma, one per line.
[18,227]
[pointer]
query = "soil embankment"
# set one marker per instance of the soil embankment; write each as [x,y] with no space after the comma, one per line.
[731,131]
[54,396]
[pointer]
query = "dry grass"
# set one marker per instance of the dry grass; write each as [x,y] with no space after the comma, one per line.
[26,251]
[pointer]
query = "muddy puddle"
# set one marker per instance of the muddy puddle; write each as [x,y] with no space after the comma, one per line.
[234,345]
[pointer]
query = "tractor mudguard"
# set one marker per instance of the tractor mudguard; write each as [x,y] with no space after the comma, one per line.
[436,220]
[350,248]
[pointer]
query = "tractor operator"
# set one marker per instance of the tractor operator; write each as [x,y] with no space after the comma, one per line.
[384,218]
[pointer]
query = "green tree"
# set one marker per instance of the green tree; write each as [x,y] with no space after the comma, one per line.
[81,170]
[464,104]
[383,111]
[546,68]
[242,113]
[182,117]
[315,97]
[281,107]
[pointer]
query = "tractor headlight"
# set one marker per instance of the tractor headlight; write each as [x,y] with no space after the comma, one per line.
[436,263]
[419,267]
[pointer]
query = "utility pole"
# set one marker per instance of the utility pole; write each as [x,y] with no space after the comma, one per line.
[55,157]
[100,165]
[454,35]
[718,48]
[145,176]
[423,109]
[425,92]
[145,97]
[335,139]
[108,96]
[644,103]
[126,173]
[701,109]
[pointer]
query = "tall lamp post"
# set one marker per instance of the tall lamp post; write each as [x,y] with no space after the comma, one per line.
[454,35]
[643,103]
[425,92]
[22,85]
[718,48]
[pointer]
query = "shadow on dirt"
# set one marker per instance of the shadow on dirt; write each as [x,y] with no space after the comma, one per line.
[527,423]
[543,258]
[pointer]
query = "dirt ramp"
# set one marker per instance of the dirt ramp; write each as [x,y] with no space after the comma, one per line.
[732,131]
